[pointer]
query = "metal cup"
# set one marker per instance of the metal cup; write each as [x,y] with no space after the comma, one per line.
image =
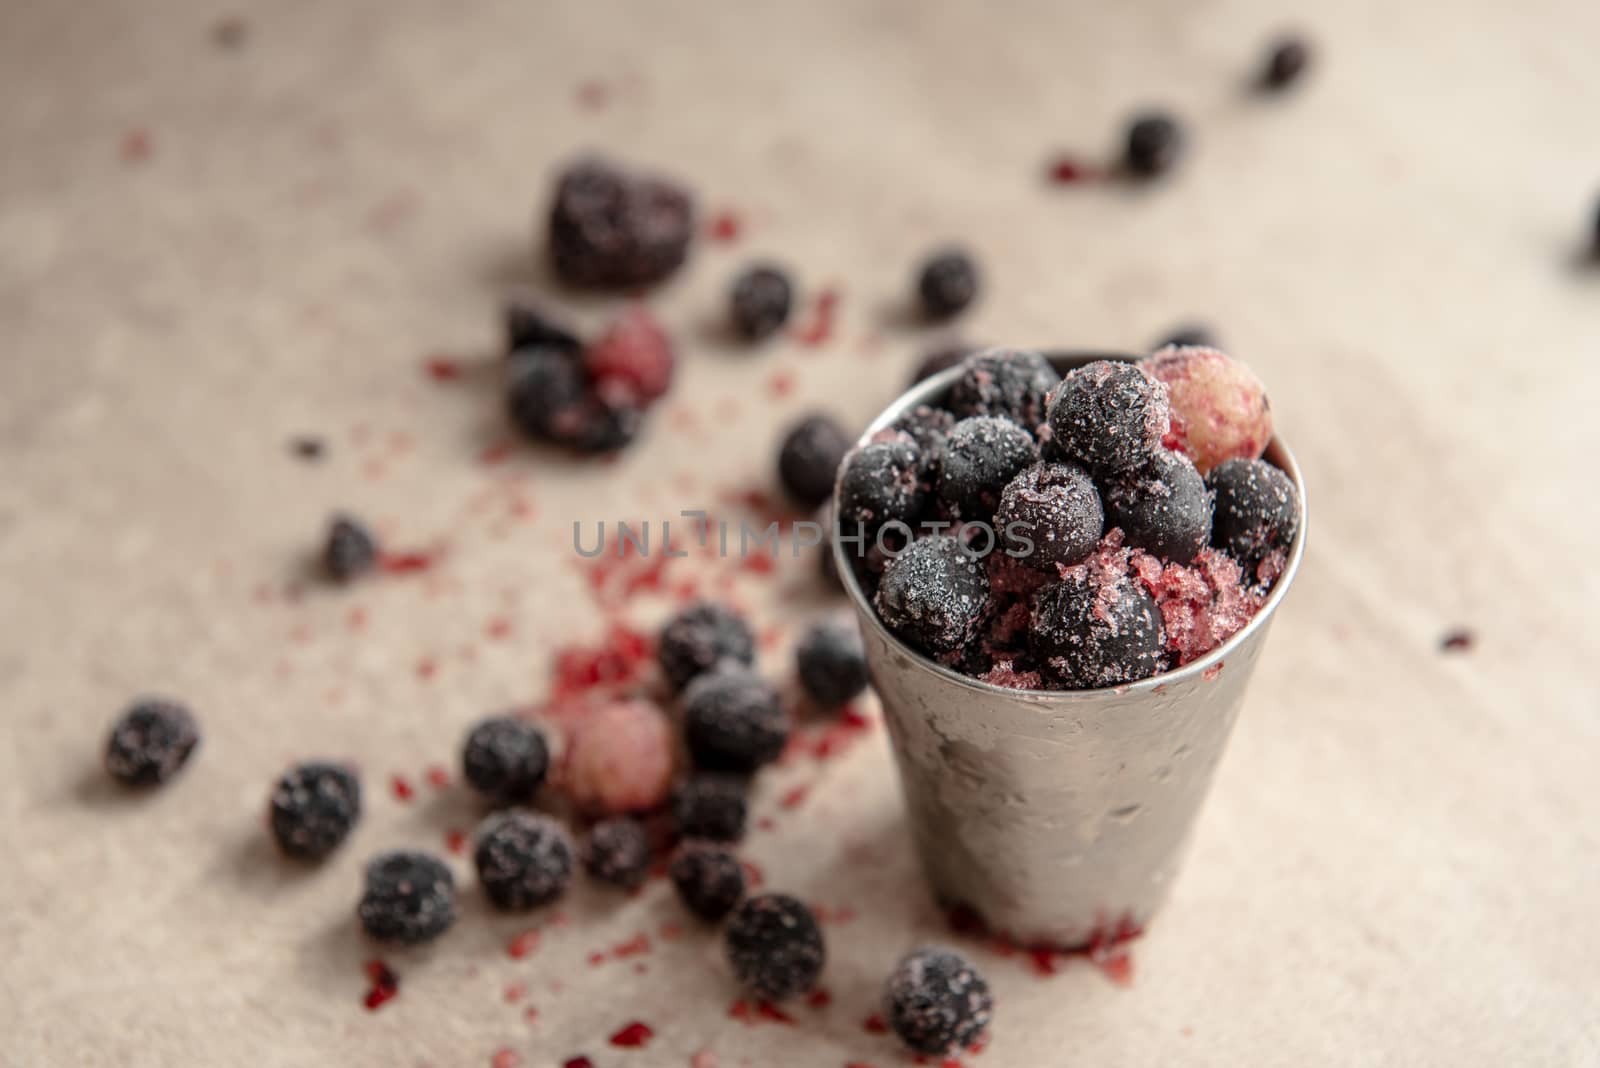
[1059,817]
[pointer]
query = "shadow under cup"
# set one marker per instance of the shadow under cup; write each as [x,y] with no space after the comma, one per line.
[1060,817]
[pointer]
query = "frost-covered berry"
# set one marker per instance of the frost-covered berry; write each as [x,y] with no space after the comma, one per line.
[1050,515]
[1013,384]
[711,806]
[524,859]
[410,898]
[1096,629]
[809,458]
[1162,507]
[933,594]
[775,946]
[936,1001]
[733,720]
[831,662]
[151,742]
[505,759]
[981,456]
[618,852]
[1108,416]
[946,283]
[701,637]
[1256,516]
[313,809]
[708,877]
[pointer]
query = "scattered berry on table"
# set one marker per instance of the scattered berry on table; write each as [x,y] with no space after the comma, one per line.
[775,946]
[881,483]
[313,809]
[832,663]
[733,720]
[410,898]
[1256,515]
[1108,416]
[1051,515]
[1162,507]
[529,326]
[350,551]
[982,454]
[505,759]
[620,757]
[712,806]
[933,594]
[151,742]
[631,364]
[609,228]
[701,637]
[1097,628]
[708,877]
[1155,143]
[759,301]
[618,852]
[1287,60]
[546,392]
[524,859]
[1011,383]
[936,1001]
[946,283]
[1219,409]
[809,458]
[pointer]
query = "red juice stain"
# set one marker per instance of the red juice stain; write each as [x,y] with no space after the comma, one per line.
[703,1059]
[515,992]
[754,1013]
[819,998]
[753,875]
[768,1011]
[724,226]
[456,842]
[622,658]
[494,453]
[444,369]
[640,967]
[1460,640]
[838,736]
[795,796]
[781,384]
[406,563]
[385,984]
[437,777]
[596,959]
[137,146]
[523,944]
[760,563]
[427,668]
[635,1035]
[633,947]
[820,328]
[1108,949]
[1065,170]
[356,618]
[403,790]
[530,1014]
[504,1058]
[874,1025]
[1214,672]
[592,94]
[766,823]
[498,628]
[670,931]
[577,1062]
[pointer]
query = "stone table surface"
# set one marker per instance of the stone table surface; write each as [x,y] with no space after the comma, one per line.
[224,226]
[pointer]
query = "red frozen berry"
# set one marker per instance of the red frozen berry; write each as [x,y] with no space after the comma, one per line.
[633,359]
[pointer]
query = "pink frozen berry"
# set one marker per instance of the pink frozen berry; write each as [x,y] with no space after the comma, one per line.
[633,359]
[1219,408]
[619,758]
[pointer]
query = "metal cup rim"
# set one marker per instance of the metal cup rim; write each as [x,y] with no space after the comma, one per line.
[1277,452]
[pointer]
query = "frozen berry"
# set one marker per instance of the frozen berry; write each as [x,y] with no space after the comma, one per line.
[733,720]
[631,364]
[947,283]
[701,637]
[618,852]
[1108,416]
[313,809]
[350,550]
[609,228]
[775,946]
[928,427]
[981,456]
[809,458]
[528,326]
[620,757]
[709,879]
[933,594]
[1219,410]
[1287,60]
[545,393]
[759,301]
[711,806]
[1092,630]
[151,742]
[1011,383]
[881,483]
[832,663]
[410,898]
[1050,516]
[936,1001]
[1257,513]
[940,359]
[505,759]
[1190,335]
[1155,141]
[1162,507]
[524,860]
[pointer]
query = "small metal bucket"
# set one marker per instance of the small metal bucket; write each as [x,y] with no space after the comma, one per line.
[1059,817]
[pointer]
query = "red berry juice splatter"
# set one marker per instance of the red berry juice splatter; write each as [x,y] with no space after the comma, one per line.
[385,984]
[820,327]
[724,226]
[635,1035]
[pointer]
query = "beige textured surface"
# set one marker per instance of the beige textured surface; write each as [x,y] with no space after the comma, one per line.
[1398,865]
